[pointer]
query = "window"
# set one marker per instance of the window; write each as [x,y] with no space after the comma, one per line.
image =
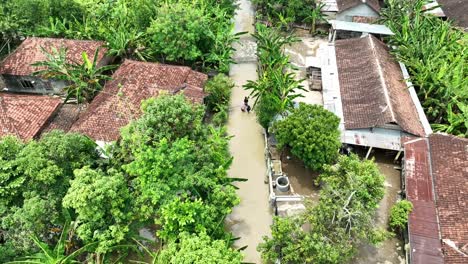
[27,84]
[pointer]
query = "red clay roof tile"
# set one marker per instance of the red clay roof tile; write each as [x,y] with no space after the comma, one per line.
[372,88]
[134,81]
[29,52]
[25,115]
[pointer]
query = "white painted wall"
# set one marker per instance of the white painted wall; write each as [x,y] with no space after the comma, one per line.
[360,10]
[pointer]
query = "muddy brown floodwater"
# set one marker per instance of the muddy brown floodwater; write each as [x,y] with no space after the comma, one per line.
[391,250]
[251,219]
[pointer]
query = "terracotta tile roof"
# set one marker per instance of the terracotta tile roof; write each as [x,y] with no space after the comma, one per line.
[436,176]
[450,172]
[456,10]
[113,109]
[372,88]
[25,115]
[19,62]
[347,4]
[65,117]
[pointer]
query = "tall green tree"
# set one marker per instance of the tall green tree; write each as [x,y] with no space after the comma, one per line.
[340,222]
[312,134]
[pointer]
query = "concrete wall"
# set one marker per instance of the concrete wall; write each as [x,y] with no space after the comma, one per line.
[360,10]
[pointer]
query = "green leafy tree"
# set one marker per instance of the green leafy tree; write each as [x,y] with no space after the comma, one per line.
[176,33]
[198,249]
[284,12]
[399,215]
[101,202]
[85,79]
[312,134]
[166,116]
[339,223]
[35,177]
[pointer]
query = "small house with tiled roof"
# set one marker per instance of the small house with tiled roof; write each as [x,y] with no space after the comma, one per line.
[17,69]
[119,102]
[363,11]
[368,89]
[25,116]
[436,183]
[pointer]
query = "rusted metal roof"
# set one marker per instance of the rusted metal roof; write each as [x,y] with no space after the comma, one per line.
[436,177]
[30,51]
[372,86]
[25,115]
[347,4]
[119,101]
[422,223]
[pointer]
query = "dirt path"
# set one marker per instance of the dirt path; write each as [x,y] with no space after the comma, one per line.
[252,218]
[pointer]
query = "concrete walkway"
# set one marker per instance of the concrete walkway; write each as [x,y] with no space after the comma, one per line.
[252,218]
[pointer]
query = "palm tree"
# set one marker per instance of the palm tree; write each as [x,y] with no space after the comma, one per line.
[57,255]
[84,79]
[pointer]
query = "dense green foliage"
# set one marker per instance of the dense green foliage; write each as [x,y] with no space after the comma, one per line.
[312,134]
[219,91]
[169,169]
[198,249]
[277,86]
[399,215]
[436,55]
[34,178]
[339,223]
[287,12]
[85,79]
[141,29]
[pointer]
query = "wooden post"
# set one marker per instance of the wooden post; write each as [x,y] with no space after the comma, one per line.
[368,152]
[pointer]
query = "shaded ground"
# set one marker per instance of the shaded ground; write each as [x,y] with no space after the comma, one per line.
[391,251]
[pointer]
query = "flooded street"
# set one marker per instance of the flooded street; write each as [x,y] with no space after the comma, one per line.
[251,219]
[391,250]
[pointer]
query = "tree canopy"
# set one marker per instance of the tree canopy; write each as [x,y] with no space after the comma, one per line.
[339,223]
[312,134]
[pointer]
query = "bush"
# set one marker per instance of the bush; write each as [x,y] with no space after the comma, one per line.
[285,11]
[219,92]
[399,215]
[312,133]
[220,118]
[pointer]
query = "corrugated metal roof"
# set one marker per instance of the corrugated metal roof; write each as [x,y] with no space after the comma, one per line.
[425,245]
[360,27]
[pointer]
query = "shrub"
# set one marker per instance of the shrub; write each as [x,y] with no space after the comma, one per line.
[312,133]
[399,215]
[219,92]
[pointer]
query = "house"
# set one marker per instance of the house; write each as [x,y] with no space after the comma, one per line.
[436,183]
[25,116]
[16,69]
[365,86]
[119,102]
[363,11]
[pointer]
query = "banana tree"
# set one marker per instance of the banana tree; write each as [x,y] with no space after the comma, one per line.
[315,16]
[58,254]
[84,79]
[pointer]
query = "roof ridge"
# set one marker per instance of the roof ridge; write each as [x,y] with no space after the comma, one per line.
[381,77]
